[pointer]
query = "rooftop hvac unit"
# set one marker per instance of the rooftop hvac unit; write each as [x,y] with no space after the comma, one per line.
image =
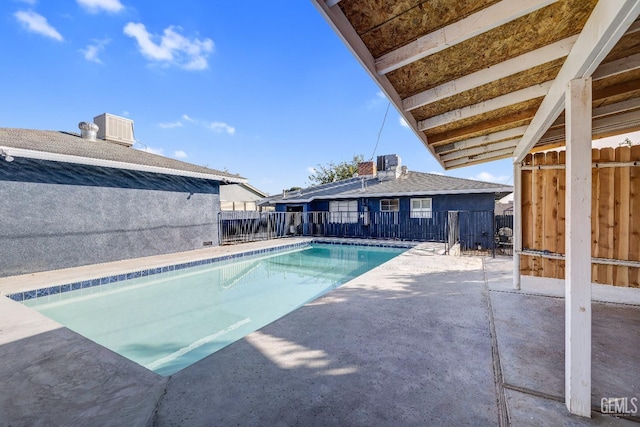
[115,129]
[388,161]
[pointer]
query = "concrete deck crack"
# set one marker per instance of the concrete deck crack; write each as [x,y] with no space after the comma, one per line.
[501,401]
[154,415]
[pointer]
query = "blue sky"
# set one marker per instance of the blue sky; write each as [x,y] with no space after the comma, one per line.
[263,89]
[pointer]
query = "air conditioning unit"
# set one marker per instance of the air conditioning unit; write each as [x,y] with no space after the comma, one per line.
[115,129]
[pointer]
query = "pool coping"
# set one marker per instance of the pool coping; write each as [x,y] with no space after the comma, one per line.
[35,290]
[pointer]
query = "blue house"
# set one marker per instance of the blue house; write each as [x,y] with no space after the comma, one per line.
[386,200]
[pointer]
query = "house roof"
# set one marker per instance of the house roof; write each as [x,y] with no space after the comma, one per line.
[410,184]
[481,80]
[71,148]
[240,193]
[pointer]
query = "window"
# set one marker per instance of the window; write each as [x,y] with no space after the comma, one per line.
[421,208]
[343,211]
[389,205]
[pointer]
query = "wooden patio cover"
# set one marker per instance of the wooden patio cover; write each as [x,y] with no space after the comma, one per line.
[481,80]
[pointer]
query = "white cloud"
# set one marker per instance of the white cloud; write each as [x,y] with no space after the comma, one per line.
[173,48]
[380,97]
[158,151]
[170,125]
[311,169]
[95,6]
[222,127]
[179,154]
[403,122]
[489,177]
[91,51]
[37,23]
[187,118]
[125,113]
[31,2]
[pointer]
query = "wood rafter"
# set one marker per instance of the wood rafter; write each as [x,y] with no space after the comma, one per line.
[482,140]
[609,69]
[482,158]
[504,69]
[481,149]
[471,26]
[517,119]
[496,103]
[606,25]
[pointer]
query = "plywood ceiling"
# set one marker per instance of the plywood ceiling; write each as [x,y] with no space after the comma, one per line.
[482,80]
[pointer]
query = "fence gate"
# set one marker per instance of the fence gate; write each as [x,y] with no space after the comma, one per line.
[504,233]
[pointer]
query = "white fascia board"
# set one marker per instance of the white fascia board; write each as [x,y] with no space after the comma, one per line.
[67,158]
[402,194]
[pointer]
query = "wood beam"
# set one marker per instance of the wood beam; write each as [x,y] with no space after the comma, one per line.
[609,69]
[481,158]
[482,140]
[631,62]
[607,23]
[601,127]
[578,248]
[453,34]
[522,95]
[472,162]
[487,148]
[512,66]
[519,118]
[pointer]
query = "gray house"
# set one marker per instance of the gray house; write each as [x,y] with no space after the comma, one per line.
[73,199]
[386,200]
[240,197]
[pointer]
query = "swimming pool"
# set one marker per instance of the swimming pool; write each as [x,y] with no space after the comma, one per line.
[168,321]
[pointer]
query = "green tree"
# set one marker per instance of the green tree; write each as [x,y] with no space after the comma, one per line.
[332,172]
[626,143]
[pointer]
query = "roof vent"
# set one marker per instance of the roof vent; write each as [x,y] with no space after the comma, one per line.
[115,129]
[88,130]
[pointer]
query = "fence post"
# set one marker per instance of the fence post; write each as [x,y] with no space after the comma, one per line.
[516,236]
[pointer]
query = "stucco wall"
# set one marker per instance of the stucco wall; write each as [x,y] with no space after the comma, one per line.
[56,215]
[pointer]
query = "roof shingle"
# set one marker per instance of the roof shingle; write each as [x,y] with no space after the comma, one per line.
[71,144]
[412,183]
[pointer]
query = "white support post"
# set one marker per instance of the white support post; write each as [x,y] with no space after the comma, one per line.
[517,223]
[578,247]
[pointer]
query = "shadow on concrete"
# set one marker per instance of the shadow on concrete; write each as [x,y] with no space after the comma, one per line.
[530,330]
[389,348]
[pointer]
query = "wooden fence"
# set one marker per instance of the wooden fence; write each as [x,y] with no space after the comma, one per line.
[615,216]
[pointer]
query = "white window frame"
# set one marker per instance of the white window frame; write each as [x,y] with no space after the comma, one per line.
[424,210]
[389,203]
[343,211]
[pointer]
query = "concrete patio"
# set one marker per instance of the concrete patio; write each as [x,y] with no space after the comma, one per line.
[424,339]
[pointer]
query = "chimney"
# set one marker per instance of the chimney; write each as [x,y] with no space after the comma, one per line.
[366,169]
[88,130]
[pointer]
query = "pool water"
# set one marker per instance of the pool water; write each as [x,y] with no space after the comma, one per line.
[168,321]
